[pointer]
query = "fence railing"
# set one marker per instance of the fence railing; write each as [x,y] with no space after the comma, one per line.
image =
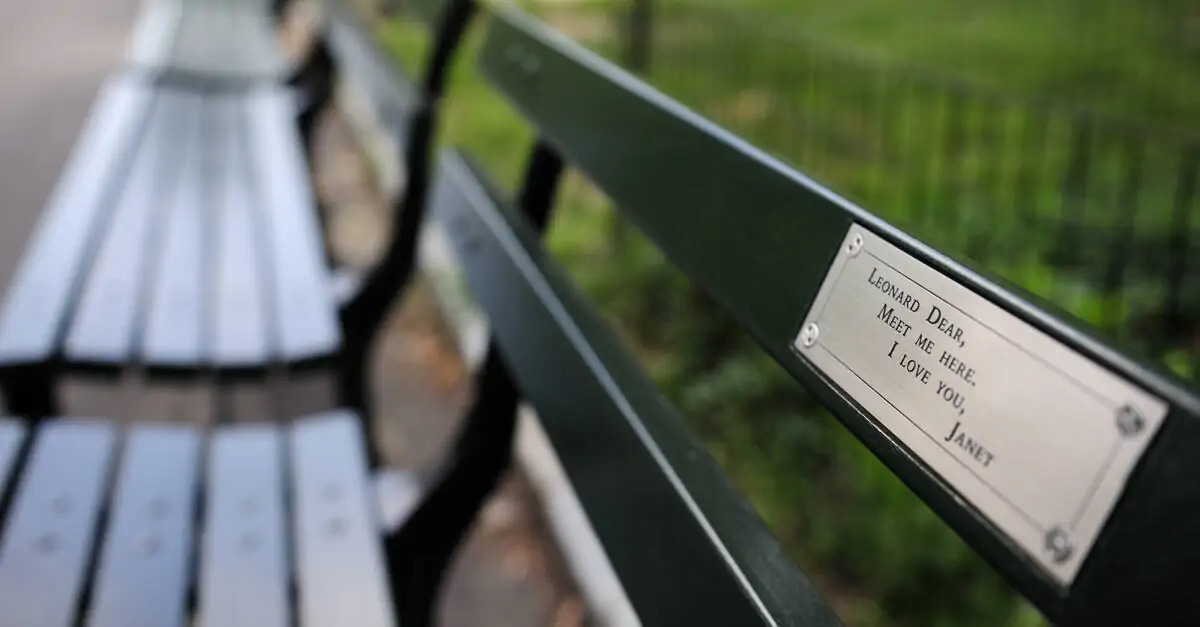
[1095,213]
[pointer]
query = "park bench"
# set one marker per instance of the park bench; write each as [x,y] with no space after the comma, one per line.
[789,259]
[182,238]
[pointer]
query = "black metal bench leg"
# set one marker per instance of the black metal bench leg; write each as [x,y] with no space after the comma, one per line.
[30,392]
[279,9]
[421,550]
[314,80]
[354,391]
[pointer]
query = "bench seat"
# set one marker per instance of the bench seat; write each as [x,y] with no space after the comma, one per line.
[120,526]
[213,42]
[182,235]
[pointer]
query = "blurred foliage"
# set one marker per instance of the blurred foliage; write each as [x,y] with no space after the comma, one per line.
[812,81]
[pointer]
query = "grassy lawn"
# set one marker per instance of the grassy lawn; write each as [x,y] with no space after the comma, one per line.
[1055,164]
[1039,141]
[1134,59]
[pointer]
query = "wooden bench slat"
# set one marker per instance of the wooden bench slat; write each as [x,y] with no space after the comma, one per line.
[107,316]
[303,301]
[243,573]
[12,433]
[339,561]
[43,288]
[175,322]
[50,533]
[240,332]
[193,41]
[155,34]
[233,42]
[145,562]
[222,33]
[255,46]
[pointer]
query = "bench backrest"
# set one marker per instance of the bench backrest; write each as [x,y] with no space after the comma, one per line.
[1076,482]
[762,239]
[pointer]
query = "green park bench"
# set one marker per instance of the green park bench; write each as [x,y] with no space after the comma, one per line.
[1070,467]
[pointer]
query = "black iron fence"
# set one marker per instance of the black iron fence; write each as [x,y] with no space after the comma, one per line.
[1095,213]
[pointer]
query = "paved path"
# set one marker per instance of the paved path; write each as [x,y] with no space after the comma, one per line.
[53,56]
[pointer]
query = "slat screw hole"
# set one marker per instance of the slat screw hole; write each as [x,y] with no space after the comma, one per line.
[159,508]
[47,543]
[150,545]
[249,541]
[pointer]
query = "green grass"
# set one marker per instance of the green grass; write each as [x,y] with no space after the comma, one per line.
[1132,58]
[1051,196]
[817,83]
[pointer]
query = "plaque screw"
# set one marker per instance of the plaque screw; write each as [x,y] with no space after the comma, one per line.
[855,245]
[1129,421]
[1058,543]
[809,335]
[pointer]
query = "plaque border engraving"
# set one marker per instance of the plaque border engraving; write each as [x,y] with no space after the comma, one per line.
[1058,548]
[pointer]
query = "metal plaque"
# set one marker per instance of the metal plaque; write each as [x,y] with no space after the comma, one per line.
[1038,438]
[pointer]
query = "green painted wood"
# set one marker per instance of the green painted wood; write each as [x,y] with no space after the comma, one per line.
[687,547]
